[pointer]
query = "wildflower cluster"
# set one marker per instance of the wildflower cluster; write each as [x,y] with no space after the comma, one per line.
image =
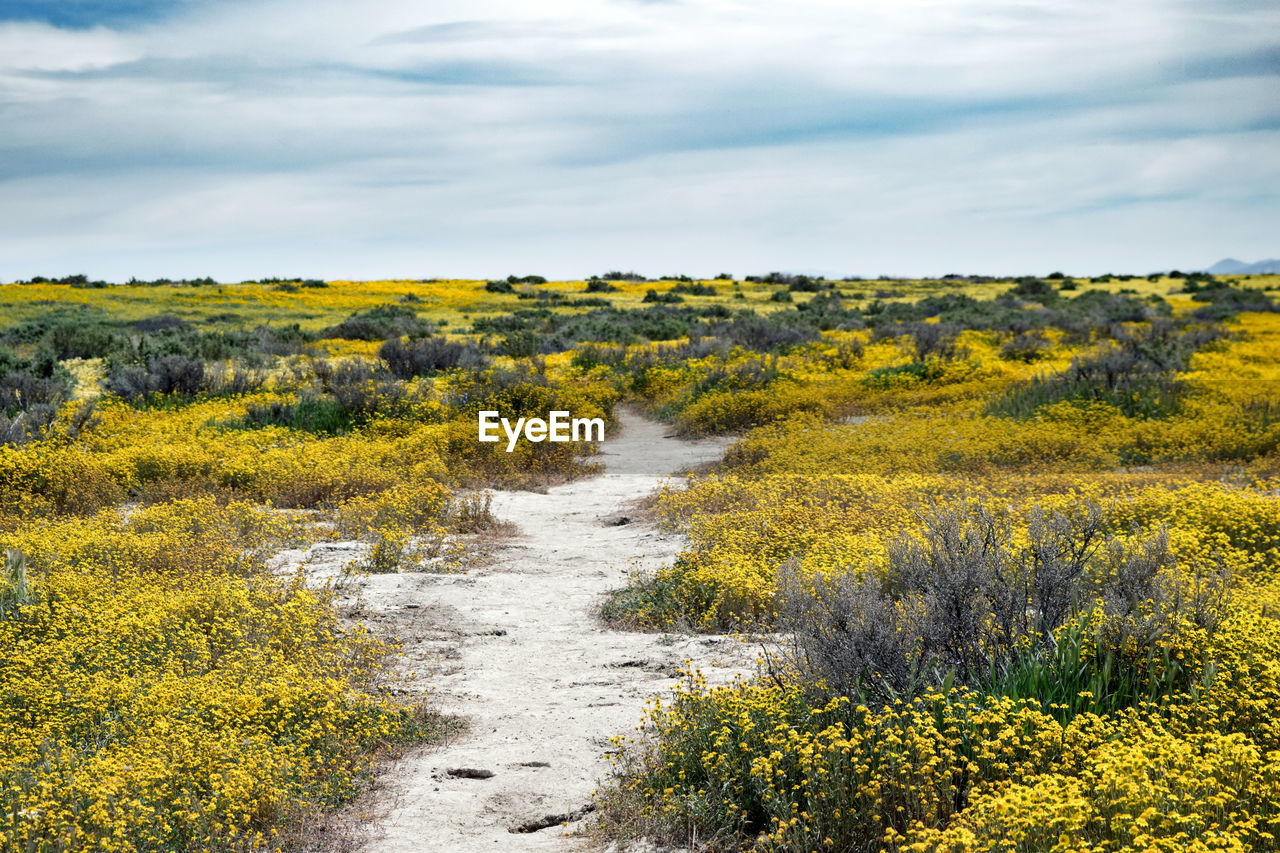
[164,690]
[952,674]
[161,689]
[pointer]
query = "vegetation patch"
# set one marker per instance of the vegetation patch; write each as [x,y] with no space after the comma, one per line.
[1020,536]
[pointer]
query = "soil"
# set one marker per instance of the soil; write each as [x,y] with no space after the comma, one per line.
[517,650]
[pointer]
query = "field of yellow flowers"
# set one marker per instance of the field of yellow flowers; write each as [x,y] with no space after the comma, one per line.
[1021,535]
[1026,592]
[160,687]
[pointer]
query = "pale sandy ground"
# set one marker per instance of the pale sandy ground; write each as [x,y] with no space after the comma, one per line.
[516,649]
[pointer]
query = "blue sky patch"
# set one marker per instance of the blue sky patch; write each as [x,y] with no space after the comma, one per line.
[80,14]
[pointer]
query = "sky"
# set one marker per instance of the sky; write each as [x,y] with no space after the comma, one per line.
[251,138]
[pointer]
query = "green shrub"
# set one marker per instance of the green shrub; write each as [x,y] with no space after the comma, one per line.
[380,323]
[669,298]
[428,355]
[1071,610]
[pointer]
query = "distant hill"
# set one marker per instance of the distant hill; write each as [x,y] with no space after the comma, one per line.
[1230,266]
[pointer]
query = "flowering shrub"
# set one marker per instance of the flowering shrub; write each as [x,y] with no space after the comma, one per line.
[164,690]
[403,524]
[781,771]
[161,689]
[1144,720]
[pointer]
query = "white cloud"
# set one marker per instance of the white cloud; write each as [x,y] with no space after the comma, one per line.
[483,137]
[40,47]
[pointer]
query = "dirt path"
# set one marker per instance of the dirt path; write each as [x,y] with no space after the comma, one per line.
[515,649]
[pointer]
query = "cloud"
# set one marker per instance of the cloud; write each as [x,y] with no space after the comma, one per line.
[901,136]
[457,32]
[1260,62]
[237,72]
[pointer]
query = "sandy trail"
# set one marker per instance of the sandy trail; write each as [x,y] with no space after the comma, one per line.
[516,649]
